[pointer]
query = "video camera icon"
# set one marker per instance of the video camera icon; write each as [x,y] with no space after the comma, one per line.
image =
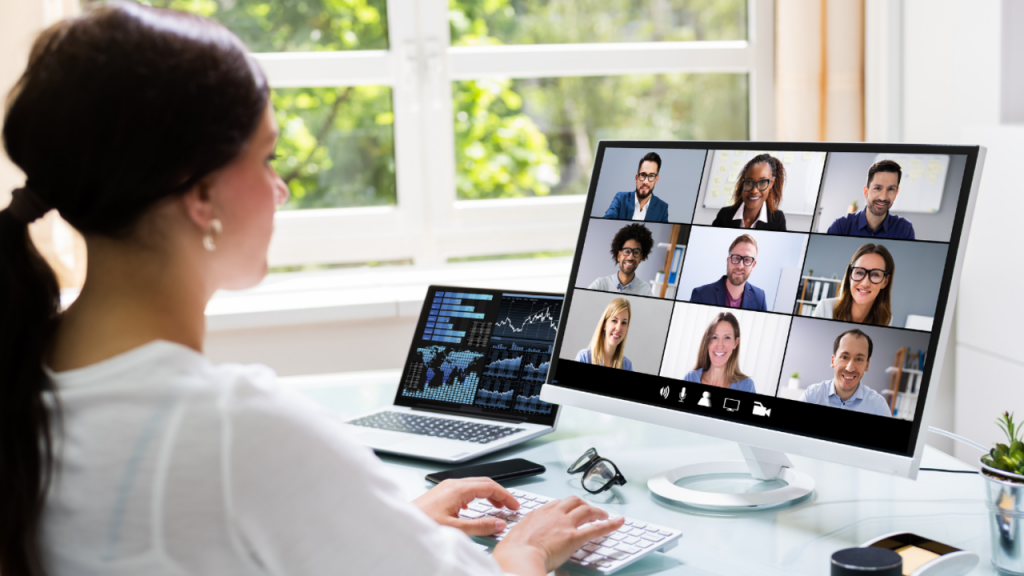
[760,410]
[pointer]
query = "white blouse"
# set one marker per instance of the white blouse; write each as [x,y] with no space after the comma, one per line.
[170,464]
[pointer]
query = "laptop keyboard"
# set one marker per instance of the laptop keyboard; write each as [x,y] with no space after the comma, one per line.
[436,427]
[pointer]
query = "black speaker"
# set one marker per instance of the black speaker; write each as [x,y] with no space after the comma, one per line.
[867,562]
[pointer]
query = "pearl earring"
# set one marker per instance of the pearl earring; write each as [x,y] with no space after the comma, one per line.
[210,235]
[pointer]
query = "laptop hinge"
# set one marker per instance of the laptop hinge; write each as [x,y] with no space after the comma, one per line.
[467,411]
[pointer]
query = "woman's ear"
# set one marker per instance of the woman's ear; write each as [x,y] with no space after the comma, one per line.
[198,204]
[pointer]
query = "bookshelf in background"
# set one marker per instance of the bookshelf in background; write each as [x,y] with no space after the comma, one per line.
[812,290]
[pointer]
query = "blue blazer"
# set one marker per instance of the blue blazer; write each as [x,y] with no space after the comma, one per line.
[622,208]
[714,293]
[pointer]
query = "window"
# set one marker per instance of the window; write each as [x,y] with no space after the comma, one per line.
[432,130]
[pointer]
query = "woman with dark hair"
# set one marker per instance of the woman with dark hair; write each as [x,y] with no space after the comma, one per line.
[865,296]
[756,197]
[123,449]
[718,357]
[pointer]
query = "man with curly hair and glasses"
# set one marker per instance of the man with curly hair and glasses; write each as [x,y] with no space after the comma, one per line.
[631,245]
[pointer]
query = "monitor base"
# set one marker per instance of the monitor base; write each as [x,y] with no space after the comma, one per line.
[763,469]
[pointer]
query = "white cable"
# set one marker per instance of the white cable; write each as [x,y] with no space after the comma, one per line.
[956,437]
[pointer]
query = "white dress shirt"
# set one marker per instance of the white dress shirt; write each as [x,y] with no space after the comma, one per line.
[761,217]
[638,212]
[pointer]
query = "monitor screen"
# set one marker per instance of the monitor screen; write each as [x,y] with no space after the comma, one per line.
[482,351]
[795,287]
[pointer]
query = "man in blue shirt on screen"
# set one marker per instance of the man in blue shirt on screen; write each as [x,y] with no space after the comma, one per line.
[851,356]
[875,220]
[733,290]
[641,203]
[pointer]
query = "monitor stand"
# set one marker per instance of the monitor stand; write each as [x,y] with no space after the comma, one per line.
[763,479]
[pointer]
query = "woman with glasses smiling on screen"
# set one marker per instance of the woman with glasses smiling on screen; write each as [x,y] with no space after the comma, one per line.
[124,450]
[866,291]
[718,357]
[757,196]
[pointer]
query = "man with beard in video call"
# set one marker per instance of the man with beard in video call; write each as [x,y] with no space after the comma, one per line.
[875,220]
[733,290]
[641,204]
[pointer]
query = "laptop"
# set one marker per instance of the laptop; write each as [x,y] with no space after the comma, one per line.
[471,383]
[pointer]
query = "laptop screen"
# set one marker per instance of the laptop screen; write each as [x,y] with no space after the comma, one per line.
[485,353]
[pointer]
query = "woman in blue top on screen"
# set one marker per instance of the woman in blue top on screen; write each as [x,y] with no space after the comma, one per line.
[608,346]
[757,196]
[866,292]
[718,358]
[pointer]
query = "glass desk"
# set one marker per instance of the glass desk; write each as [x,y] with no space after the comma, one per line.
[848,507]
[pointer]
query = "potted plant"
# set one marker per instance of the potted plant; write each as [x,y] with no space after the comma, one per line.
[852,207]
[1003,469]
[794,381]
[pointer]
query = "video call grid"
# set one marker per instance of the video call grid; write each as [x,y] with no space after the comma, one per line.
[958,211]
[691,250]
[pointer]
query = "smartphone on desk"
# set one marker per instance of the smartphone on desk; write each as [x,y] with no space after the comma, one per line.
[497,471]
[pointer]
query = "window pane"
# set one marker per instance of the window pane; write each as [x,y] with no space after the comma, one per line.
[337,146]
[485,22]
[538,136]
[287,25]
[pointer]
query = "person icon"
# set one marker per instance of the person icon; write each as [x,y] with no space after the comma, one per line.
[705,400]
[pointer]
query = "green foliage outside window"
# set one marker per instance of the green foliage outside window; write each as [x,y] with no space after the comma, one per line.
[513,137]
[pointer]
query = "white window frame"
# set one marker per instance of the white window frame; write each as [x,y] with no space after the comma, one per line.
[429,225]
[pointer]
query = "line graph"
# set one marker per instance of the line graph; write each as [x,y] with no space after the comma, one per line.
[528,317]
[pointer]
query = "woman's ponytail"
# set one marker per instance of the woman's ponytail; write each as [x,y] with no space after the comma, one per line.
[118,109]
[29,304]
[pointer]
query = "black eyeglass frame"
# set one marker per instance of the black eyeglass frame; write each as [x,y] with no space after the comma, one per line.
[645,177]
[587,462]
[867,274]
[734,257]
[634,252]
[756,183]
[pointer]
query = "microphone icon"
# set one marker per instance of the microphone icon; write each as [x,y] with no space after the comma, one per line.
[682,394]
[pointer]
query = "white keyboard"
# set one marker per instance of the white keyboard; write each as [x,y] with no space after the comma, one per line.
[606,554]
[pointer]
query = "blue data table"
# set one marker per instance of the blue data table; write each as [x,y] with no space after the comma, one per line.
[849,506]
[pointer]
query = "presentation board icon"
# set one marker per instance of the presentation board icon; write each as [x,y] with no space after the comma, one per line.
[664,392]
[705,400]
[682,394]
[732,405]
[760,410]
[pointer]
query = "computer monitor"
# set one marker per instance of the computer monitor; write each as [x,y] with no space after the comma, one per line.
[791,297]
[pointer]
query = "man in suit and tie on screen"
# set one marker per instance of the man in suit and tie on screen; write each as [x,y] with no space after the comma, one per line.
[641,203]
[733,290]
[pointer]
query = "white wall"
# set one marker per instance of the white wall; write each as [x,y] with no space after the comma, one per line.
[961,78]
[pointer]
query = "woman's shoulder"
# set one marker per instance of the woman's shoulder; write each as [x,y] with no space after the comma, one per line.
[745,385]
[825,308]
[724,216]
[693,375]
[583,355]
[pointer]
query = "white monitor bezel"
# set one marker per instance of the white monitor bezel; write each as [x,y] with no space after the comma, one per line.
[791,443]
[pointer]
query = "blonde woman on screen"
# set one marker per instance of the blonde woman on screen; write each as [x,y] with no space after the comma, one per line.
[866,292]
[608,346]
[718,357]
